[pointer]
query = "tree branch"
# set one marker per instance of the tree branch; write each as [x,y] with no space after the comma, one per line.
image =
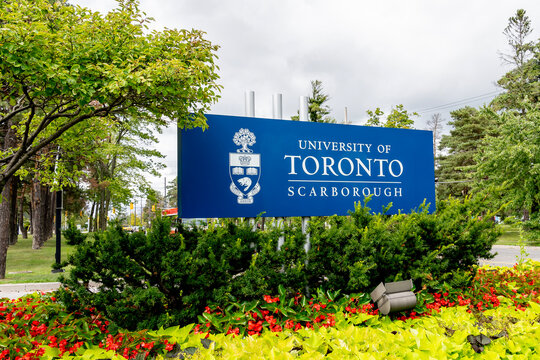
[14,112]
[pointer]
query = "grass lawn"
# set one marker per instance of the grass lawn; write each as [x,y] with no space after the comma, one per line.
[25,265]
[510,236]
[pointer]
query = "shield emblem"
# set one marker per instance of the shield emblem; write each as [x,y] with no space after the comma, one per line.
[245,172]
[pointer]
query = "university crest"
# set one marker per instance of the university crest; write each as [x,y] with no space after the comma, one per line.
[244,168]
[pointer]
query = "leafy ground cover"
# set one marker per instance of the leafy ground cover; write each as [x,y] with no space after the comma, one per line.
[498,317]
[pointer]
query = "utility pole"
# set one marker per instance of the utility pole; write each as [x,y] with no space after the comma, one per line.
[165,193]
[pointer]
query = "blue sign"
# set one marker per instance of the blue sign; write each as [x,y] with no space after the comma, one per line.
[244,167]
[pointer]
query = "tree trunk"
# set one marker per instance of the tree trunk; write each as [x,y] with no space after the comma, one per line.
[526,215]
[91,218]
[13,184]
[43,207]
[7,218]
[30,214]
[103,209]
[8,212]
[22,228]
[4,235]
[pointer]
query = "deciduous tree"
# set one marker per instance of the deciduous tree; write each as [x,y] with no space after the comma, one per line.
[512,160]
[398,118]
[67,66]
[436,125]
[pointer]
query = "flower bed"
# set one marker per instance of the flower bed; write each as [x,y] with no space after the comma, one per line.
[498,315]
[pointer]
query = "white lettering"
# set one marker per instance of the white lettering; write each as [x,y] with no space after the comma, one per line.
[381,171]
[340,168]
[323,191]
[334,191]
[343,191]
[290,190]
[361,164]
[343,166]
[397,192]
[315,161]
[292,157]
[328,166]
[301,188]
[400,168]
[365,191]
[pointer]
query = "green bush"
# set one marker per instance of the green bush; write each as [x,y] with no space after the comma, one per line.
[356,253]
[153,280]
[73,235]
[532,229]
[159,279]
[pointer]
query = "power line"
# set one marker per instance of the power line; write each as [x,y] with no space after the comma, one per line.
[454,103]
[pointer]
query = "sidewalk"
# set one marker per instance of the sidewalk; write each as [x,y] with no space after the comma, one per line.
[14,291]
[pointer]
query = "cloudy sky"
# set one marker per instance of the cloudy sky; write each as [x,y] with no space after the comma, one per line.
[430,56]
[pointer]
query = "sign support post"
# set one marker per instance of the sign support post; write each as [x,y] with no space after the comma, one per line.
[277,113]
[304,116]
[250,112]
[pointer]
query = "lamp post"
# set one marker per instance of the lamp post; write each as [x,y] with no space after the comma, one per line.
[58,253]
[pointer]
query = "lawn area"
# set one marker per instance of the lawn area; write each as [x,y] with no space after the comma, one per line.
[25,265]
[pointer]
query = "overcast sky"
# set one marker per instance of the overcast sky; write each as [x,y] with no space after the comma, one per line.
[424,54]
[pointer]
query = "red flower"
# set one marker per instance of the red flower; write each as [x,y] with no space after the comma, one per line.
[270,299]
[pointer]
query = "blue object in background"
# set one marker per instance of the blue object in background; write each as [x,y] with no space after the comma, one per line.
[244,167]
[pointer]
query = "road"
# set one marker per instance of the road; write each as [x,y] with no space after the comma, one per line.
[507,255]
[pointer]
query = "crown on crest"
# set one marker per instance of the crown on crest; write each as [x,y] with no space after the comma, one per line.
[244,160]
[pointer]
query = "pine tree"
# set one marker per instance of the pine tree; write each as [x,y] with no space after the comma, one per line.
[521,84]
[459,148]
[318,110]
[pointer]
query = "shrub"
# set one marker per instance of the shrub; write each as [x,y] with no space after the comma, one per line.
[153,280]
[356,253]
[160,279]
[532,229]
[73,235]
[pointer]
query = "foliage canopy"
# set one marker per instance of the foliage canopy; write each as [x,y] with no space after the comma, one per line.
[67,68]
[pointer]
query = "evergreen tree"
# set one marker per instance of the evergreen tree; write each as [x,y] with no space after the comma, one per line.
[517,31]
[318,110]
[459,148]
[520,83]
[172,193]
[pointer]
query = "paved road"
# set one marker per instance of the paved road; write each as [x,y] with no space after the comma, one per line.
[14,291]
[506,256]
